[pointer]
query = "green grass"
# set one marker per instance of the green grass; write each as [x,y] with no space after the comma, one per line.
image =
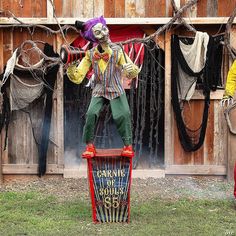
[33,213]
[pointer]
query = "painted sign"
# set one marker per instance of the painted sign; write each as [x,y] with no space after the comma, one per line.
[110,179]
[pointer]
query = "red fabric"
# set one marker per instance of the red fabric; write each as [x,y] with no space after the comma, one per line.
[235,180]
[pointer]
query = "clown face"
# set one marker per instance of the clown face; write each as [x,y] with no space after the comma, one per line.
[100,32]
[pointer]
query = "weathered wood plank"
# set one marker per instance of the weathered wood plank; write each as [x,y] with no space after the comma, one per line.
[202,8]
[88,9]
[98,8]
[58,8]
[140,8]
[220,135]
[195,170]
[66,8]
[225,8]
[209,152]
[120,8]
[27,8]
[60,117]
[39,8]
[50,9]
[109,8]
[120,21]
[212,8]
[214,95]
[30,169]
[17,8]
[77,8]
[169,8]
[155,8]
[180,156]
[194,124]
[191,12]
[168,130]
[130,8]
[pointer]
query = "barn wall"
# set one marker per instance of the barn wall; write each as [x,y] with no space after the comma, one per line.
[210,159]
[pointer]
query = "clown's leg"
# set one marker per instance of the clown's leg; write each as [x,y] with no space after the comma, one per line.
[89,127]
[121,115]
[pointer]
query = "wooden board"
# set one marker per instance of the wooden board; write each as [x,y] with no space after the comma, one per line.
[116,8]
[155,8]
[225,8]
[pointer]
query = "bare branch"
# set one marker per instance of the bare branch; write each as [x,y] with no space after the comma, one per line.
[164,27]
[231,50]
[55,17]
[182,21]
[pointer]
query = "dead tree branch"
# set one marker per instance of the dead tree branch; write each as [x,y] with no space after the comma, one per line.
[231,50]
[182,21]
[55,17]
[164,27]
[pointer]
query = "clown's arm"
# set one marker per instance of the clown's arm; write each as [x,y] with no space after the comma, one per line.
[129,68]
[230,86]
[77,73]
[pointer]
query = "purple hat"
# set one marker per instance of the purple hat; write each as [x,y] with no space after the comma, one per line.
[86,31]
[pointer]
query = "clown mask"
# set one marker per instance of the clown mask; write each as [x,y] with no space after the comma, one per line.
[100,32]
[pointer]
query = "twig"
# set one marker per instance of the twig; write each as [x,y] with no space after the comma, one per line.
[55,17]
[182,21]
[164,27]
[231,50]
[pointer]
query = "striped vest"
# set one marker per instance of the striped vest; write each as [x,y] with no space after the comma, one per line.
[107,84]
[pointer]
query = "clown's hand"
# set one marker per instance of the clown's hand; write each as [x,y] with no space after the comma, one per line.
[128,67]
[130,70]
[226,101]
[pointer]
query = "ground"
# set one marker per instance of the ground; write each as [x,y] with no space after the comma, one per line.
[142,189]
[168,206]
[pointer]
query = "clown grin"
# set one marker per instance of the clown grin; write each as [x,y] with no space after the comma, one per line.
[100,32]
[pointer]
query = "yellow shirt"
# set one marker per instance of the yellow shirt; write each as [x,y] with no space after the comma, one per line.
[77,73]
[231,81]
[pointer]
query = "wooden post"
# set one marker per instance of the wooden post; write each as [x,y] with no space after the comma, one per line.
[169,147]
[60,117]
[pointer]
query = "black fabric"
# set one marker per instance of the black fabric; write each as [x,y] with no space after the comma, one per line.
[51,76]
[214,62]
[192,140]
[5,112]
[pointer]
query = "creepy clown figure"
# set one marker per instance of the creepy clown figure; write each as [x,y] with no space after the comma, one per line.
[109,63]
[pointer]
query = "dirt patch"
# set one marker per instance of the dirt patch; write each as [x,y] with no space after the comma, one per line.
[141,189]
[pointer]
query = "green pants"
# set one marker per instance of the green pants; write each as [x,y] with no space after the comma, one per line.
[120,113]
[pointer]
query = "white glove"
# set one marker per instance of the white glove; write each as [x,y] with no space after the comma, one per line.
[128,67]
[226,101]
